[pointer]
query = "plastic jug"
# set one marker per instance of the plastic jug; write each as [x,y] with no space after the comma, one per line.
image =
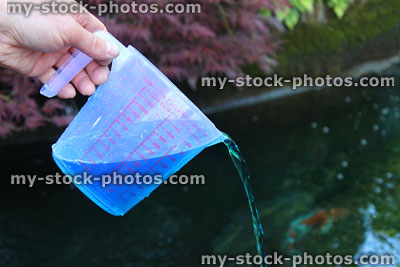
[136,122]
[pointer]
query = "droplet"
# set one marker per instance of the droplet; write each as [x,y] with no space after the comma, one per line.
[339,176]
[345,164]
[314,125]
[325,129]
[394,98]
[347,99]
[375,127]
[378,190]
[390,185]
[363,142]
[379,180]
[389,175]
[385,111]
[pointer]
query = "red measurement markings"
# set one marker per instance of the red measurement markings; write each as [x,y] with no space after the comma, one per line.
[190,132]
[168,133]
[143,109]
[129,169]
[110,127]
[142,143]
[187,144]
[141,156]
[104,146]
[174,127]
[149,150]
[111,140]
[137,164]
[172,158]
[155,97]
[134,113]
[194,125]
[148,102]
[91,160]
[162,139]
[128,118]
[151,168]
[147,81]
[155,144]
[116,132]
[98,153]
[123,125]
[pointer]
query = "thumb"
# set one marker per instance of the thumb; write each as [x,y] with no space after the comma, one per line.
[90,44]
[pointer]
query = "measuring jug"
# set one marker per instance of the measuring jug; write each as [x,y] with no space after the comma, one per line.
[136,122]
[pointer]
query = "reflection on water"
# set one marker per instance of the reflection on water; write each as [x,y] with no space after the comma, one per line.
[319,162]
[376,243]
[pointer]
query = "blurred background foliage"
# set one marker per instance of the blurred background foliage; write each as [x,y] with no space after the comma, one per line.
[291,15]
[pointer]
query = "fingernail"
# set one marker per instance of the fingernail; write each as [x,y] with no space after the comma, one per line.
[88,87]
[101,75]
[112,49]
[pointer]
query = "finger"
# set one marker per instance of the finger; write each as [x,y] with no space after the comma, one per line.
[47,61]
[97,73]
[89,22]
[104,62]
[83,83]
[90,44]
[67,92]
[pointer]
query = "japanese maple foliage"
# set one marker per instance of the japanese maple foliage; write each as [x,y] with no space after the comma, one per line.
[221,38]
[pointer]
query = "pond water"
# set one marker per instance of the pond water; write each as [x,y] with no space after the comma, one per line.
[325,175]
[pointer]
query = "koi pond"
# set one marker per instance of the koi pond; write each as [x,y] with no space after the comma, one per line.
[325,171]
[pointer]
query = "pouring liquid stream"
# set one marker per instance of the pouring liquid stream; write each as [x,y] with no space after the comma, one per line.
[242,169]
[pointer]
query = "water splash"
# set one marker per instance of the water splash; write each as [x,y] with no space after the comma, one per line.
[242,169]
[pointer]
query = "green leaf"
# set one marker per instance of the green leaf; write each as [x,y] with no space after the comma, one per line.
[292,18]
[282,14]
[339,6]
[303,5]
[266,13]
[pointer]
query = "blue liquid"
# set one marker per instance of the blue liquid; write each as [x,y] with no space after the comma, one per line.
[117,199]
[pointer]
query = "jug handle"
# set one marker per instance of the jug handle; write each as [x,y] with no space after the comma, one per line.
[76,62]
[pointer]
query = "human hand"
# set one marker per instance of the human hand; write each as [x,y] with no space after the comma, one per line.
[33,45]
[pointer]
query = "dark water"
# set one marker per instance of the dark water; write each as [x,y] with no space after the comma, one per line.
[244,173]
[334,152]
